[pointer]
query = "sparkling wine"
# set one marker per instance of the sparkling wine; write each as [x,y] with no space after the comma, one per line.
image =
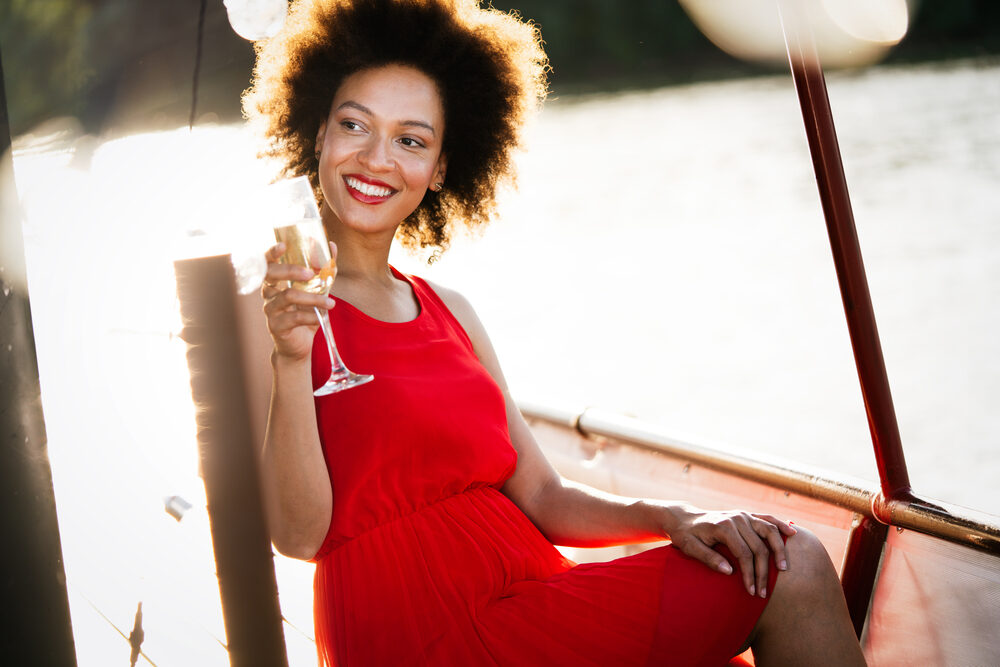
[306,245]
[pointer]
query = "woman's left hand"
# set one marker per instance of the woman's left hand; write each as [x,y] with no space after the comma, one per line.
[752,538]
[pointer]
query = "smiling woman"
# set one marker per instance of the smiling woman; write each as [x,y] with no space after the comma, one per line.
[384,123]
[456,45]
[422,496]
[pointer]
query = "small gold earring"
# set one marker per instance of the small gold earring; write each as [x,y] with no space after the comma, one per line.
[438,187]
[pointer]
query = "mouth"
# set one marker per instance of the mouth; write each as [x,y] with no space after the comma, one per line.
[367,190]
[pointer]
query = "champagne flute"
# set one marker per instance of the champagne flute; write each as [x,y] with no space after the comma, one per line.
[300,228]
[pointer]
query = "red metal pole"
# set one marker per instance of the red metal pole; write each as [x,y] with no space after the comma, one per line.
[811,88]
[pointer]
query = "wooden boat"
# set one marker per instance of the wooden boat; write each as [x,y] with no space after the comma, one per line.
[922,581]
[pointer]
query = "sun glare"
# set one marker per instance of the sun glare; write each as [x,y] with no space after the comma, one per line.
[848,33]
[103,224]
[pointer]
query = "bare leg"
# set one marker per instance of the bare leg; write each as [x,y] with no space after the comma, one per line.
[806,622]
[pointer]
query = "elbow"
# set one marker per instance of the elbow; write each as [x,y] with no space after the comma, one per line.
[299,535]
[297,525]
[297,546]
[539,501]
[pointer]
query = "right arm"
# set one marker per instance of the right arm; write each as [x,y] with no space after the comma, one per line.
[298,496]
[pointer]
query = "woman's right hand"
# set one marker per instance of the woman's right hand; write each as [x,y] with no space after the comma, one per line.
[289,311]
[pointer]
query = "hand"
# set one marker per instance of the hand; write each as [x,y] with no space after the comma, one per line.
[750,537]
[289,311]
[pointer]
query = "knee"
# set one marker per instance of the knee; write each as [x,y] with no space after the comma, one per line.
[810,574]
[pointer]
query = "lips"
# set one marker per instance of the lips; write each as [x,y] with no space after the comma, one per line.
[368,190]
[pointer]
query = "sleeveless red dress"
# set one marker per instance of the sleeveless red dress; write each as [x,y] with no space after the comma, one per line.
[426,562]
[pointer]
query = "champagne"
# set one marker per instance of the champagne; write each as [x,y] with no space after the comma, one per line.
[306,245]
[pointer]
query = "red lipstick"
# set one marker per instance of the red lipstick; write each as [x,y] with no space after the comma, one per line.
[368,190]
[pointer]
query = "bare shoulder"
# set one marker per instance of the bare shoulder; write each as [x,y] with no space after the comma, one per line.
[466,316]
[463,311]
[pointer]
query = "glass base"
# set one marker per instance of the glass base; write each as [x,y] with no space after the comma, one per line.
[340,382]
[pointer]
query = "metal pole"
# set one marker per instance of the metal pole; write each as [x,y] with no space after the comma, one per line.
[244,561]
[36,627]
[867,541]
[811,88]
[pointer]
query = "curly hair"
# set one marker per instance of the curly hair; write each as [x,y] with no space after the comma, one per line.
[489,68]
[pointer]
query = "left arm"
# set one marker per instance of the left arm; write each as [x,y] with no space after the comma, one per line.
[574,514]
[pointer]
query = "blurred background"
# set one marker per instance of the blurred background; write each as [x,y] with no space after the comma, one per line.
[128,64]
[664,256]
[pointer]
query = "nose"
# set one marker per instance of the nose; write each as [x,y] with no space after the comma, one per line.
[376,154]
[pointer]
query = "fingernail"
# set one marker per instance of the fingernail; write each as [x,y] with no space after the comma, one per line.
[726,568]
[753,589]
[763,592]
[782,565]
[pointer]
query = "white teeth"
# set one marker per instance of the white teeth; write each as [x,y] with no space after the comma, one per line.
[367,189]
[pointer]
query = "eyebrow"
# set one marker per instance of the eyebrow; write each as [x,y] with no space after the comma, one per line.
[365,110]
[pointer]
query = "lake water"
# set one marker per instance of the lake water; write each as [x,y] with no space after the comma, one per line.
[665,256]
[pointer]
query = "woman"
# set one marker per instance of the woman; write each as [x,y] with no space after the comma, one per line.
[422,497]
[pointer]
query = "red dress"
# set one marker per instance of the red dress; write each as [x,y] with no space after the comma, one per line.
[426,562]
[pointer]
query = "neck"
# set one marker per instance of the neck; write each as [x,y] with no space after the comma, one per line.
[361,257]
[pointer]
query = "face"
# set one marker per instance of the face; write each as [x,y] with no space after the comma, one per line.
[380,147]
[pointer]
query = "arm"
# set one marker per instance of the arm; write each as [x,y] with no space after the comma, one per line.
[574,514]
[297,494]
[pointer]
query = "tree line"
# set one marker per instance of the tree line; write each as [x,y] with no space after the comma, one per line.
[105,61]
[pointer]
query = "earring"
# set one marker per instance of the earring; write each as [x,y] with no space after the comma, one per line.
[437,187]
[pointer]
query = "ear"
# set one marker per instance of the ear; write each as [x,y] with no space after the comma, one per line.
[440,170]
[320,137]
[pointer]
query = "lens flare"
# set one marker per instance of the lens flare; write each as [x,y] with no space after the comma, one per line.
[848,33]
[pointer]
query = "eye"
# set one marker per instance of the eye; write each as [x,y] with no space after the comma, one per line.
[410,142]
[350,125]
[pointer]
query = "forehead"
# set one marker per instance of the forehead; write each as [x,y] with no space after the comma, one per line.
[393,92]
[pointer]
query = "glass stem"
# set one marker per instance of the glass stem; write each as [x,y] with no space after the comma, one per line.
[337,368]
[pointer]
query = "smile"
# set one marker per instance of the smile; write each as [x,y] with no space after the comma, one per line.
[368,189]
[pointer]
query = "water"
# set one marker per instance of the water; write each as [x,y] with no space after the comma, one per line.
[665,256]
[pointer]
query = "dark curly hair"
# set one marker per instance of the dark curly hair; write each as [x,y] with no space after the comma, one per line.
[488,66]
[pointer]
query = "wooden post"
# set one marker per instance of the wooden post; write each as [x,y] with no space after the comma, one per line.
[36,627]
[244,560]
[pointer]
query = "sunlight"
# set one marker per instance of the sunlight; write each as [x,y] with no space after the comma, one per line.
[882,22]
[848,33]
[103,224]
[705,303]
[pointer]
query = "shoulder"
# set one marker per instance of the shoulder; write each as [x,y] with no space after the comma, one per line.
[454,300]
[463,311]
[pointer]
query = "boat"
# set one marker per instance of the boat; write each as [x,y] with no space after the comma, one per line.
[922,578]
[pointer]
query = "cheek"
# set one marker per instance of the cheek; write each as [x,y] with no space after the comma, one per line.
[419,172]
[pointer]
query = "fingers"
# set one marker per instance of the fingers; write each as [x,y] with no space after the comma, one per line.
[280,275]
[276,273]
[751,554]
[759,552]
[751,538]
[274,252]
[771,529]
[278,300]
[784,526]
[710,557]
[283,323]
